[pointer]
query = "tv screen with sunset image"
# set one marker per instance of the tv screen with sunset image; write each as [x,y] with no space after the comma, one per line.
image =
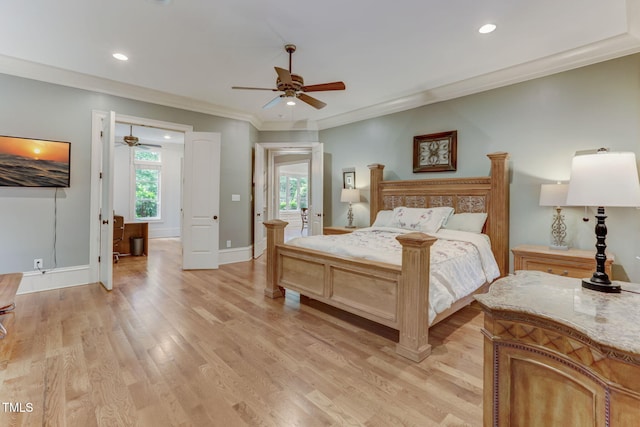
[34,162]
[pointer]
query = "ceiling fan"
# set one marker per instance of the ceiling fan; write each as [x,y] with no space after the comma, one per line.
[292,86]
[134,141]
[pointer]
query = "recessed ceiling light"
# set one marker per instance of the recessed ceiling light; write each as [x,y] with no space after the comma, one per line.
[487,28]
[121,56]
[167,136]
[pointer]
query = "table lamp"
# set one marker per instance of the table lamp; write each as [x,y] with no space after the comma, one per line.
[556,195]
[603,179]
[350,195]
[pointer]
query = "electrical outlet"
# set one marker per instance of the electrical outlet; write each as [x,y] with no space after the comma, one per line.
[37,263]
[228,243]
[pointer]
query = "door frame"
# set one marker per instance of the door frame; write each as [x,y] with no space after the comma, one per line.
[269,149]
[97,162]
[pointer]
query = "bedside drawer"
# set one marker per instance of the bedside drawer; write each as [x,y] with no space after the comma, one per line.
[576,263]
[578,272]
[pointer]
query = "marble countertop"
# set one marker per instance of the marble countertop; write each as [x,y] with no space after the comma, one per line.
[612,320]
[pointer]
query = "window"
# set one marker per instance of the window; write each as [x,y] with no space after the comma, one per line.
[293,192]
[148,172]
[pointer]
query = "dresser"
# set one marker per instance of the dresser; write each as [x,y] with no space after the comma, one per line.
[576,263]
[556,354]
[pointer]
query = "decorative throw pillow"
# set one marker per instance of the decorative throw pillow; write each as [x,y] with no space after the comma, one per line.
[383,219]
[473,222]
[427,220]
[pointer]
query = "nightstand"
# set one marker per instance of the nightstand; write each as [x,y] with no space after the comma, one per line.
[337,230]
[576,263]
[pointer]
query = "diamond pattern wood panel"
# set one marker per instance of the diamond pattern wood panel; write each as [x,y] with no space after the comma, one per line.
[578,351]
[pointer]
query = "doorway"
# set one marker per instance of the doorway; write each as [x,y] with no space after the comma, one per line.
[268,197]
[147,188]
[103,183]
[291,179]
[148,177]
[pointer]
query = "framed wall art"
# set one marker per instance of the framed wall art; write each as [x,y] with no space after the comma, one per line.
[436,152]
[349,178]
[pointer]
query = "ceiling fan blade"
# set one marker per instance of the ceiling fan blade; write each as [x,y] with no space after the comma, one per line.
[253,88]
[315,103]
[324,86]
[284,75]
[273,102]
[150,145]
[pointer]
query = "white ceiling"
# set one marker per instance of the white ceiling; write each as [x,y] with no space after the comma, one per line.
[392,55]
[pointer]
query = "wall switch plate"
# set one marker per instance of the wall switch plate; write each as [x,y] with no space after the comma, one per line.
[228,243]
[235,197]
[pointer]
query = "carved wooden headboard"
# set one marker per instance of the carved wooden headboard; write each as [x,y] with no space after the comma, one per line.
[483,194]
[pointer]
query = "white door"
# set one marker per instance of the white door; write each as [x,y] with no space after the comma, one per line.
[201,200]
[316,212]
[106,201]
[259,202]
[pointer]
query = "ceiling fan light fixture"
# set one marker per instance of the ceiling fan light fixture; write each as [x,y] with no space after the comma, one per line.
[293,87]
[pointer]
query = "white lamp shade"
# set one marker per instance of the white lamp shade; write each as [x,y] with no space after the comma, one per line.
[553,194]
[604,179]
[350,195]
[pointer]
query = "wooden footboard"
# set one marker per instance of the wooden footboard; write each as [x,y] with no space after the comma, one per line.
[397,297]
[388,294]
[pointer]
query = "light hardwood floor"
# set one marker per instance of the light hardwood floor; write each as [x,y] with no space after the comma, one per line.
[205,348]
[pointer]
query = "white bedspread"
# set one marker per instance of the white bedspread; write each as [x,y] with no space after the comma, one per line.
[460,261]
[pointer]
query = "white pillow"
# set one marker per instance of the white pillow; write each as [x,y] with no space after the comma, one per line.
[427,220]
[383,219]
[472,222]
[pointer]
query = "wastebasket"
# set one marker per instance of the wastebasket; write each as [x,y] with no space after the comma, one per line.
[137,246]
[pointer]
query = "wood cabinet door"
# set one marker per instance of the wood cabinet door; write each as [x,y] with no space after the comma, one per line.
[540,389]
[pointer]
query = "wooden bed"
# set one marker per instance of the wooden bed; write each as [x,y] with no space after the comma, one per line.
[392,295]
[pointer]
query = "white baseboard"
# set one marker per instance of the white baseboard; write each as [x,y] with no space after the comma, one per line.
[229,256]
[65,277]
[35,281]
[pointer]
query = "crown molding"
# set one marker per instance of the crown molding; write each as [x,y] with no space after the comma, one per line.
[614,47]
[296,125]
[32,70]
[604,50]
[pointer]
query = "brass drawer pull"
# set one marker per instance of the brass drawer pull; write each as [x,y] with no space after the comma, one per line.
[564,272]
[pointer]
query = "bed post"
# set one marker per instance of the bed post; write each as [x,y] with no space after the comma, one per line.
[413,296]
[499,212]
[375,200]
[275,236]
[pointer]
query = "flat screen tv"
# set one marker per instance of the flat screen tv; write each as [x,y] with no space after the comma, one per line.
[28,162]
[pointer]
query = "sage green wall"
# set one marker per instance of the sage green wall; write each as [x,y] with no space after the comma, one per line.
[541,123]
[41,110]
[287,136]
